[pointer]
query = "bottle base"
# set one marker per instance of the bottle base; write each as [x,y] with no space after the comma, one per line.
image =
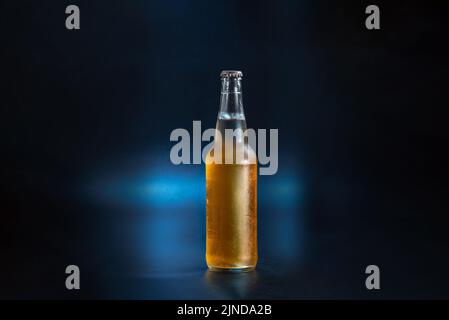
[232,269]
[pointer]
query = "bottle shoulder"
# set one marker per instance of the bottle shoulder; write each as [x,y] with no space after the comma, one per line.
[242,153]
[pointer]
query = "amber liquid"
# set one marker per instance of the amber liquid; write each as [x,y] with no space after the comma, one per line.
[231,216]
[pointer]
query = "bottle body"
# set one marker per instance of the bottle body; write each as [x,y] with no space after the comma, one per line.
[231,198]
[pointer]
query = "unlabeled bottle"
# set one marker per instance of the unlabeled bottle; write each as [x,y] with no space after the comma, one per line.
[231,186]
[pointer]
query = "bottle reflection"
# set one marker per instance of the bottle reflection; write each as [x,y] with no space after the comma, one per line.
[232,285]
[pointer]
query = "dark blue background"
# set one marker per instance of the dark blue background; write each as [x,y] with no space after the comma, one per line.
[86,117]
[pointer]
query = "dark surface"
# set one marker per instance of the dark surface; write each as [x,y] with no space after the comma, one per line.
[86,117]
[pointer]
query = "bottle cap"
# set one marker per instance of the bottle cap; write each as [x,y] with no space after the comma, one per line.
[231,74]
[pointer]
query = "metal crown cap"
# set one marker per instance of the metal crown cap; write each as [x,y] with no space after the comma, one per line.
[231,74]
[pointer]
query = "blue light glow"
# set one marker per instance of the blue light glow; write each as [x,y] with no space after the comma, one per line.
[169,203]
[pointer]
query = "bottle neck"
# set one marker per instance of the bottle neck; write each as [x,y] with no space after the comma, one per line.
[231,115]
[231,103]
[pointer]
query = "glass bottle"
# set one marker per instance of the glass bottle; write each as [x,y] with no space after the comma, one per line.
[231,186]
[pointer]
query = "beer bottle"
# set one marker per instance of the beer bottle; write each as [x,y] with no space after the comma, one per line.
[231,186]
